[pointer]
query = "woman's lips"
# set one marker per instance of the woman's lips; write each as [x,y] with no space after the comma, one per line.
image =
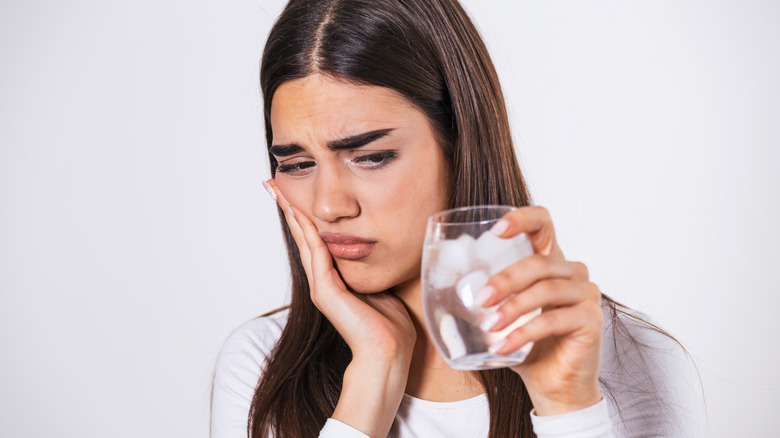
[348,246]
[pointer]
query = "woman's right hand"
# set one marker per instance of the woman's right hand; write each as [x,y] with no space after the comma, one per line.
[376,327]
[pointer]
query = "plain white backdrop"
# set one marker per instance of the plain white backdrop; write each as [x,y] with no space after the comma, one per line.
[135,234]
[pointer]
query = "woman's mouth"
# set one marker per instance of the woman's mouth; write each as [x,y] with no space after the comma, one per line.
[348,246]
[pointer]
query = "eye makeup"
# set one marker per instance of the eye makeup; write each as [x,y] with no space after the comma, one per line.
[375,160]
[362,159]
[369,161]
[295,167]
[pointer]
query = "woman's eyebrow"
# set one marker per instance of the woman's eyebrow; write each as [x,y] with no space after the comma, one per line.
[285,150]
[351,142]
[358,140]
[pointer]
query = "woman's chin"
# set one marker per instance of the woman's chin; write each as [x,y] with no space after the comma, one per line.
[374,284]
[365,280]
[364,286]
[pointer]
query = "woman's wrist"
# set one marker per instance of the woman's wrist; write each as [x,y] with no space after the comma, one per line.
[564,402]
[371,394]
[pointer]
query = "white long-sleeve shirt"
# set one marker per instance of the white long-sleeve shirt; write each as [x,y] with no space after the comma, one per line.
[653,392]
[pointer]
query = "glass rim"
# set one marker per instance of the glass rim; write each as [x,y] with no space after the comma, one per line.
[436,217]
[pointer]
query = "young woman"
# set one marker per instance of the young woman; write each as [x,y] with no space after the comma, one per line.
[378,114]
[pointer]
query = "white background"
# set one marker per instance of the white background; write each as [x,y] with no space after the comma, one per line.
[135,235]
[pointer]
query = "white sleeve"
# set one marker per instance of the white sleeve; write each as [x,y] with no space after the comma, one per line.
[237,373]
[651,385]
[337,429]
[238,370]
[591,422]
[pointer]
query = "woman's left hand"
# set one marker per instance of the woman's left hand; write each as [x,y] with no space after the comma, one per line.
[561,372]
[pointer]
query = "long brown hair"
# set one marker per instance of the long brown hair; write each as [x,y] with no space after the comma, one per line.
[430,52]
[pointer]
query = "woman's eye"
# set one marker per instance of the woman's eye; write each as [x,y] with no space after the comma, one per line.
[295,167]
[375,161]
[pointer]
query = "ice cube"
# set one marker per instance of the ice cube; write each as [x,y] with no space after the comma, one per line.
[467,241]
[501,262]
[489,246]
[521,241]
[519,247]
[441,279]
[469,285]
[453,256]
[448,329]
[522,244]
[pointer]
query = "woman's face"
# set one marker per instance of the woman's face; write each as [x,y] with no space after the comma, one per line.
[364,164]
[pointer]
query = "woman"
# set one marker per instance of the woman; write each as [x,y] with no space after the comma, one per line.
[378,114]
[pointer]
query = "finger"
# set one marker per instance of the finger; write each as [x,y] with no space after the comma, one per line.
[311,236]
[523,273]
[278,196]
[328,291]
[584,318]
[324,275]
[553,293]
[536,222]
[292,223]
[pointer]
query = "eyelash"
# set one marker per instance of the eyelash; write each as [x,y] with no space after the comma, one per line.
[372,162]
[294,168]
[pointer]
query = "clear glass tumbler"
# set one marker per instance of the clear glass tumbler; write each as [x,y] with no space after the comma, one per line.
[459,257]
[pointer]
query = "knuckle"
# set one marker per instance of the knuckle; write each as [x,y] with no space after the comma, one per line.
[514,215]
[509,276]
[593,314]
[537,263]
[560,284]
[513,272]
[552,318]
[542,210]
[520,334]
[509,279]
[501,280]
[594,294]
[508,310]
[550,287]
[580,269]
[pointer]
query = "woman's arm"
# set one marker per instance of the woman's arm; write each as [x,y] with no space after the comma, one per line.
[647,377]
[376,327]
[561,372]
[237,371]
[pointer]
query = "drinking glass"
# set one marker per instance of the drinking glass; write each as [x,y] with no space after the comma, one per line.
[459,257]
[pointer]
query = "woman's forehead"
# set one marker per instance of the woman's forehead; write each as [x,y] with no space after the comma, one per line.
[328,107]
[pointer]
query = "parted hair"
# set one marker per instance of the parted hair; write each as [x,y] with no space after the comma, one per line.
[430,52]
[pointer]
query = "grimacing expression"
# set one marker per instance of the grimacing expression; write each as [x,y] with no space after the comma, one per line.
[361,162]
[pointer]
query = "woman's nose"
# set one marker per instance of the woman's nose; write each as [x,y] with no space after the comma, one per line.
[333,198]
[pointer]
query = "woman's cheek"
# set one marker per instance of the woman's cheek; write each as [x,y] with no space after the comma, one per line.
[295,192]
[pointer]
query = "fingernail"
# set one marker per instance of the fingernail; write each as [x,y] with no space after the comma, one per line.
[500,227]
[497,346]
[289,210]
[489,322]
[269,189]
[484,295]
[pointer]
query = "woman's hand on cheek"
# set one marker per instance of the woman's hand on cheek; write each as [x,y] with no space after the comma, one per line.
[377,328]
[372,324]
[561,372]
